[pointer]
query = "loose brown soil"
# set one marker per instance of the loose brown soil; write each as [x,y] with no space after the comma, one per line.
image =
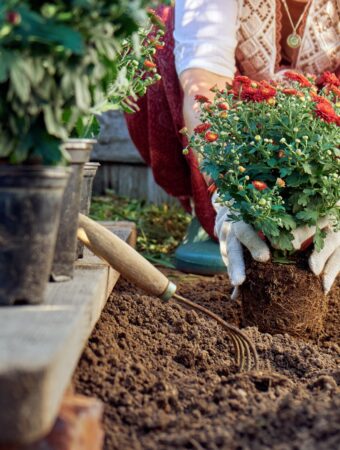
[168,381]
[279,298]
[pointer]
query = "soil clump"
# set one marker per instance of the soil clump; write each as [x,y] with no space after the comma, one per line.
[168,381]
[284,298]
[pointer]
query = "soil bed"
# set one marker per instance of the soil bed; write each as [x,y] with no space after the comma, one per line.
[168,381]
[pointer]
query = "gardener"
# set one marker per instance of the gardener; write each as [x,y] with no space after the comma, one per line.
[211,40]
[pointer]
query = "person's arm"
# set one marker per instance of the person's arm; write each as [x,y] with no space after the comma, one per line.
[205,42]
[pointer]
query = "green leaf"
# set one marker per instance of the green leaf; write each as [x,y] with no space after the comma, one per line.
[53,125]
[303,200]
[319,239]
[309,216]
[21,150]
[36,27]
[283,241]
[6,59]
[47,148]
[296,179]
[284,171]
[19,80]
[269,228]
[307,168]
[83,96]
[288,222]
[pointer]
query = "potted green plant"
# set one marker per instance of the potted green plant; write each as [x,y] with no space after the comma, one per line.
[272,150]
[31,187]
[108,78]
[57,61]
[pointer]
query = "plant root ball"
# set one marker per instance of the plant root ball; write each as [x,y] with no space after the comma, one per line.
[283,298]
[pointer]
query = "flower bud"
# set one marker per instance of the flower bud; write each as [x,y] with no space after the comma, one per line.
[13,17]
[183,131]
[280,182]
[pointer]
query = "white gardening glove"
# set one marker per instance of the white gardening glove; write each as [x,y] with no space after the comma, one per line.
[232,234]
[327,261]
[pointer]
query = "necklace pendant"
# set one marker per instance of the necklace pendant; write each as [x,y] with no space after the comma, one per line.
[294,40]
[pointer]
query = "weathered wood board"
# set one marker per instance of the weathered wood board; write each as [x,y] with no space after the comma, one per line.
[40,345]
[130,180]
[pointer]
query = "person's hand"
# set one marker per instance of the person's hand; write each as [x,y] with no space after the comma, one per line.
[232,234]
[327,261]
[198,82]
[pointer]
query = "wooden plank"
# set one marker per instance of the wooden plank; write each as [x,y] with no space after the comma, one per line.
[40,346]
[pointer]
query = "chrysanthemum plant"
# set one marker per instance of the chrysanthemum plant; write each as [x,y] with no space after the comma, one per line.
[272,150]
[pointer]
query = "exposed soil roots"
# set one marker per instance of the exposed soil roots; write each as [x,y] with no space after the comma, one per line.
[284,298]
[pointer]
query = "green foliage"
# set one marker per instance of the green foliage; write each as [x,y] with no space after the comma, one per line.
[160,228]
[59,62]
[275,161]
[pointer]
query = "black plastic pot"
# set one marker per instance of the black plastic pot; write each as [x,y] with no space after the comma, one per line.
[66,246]
[90,170]
[30,202]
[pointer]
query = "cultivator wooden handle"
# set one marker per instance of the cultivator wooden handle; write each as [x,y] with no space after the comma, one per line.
[143,274]
[124,258]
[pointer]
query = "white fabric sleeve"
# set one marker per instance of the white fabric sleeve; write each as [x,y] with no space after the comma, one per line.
[205,35]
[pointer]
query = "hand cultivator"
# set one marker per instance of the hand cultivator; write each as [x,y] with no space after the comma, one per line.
[139,271]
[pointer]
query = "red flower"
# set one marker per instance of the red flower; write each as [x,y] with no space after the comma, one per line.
[202,99]
[259,185]
[291,91]
[319,99]
[149,64]
[13,17]
[328,78]
[223,105]
[262,92]
[334,89]
[326,112]
[160,45]
[242,80]
[295,76]
[210,136]
[201,128]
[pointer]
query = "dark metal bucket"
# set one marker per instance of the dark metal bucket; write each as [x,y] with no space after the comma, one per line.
[66,246]
[90,170]
[30,203]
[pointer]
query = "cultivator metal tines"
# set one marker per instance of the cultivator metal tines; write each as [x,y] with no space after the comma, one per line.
[245,352]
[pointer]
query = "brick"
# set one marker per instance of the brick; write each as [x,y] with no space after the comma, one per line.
[78,427]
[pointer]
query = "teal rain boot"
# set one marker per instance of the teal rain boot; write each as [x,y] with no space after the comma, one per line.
[199,253]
